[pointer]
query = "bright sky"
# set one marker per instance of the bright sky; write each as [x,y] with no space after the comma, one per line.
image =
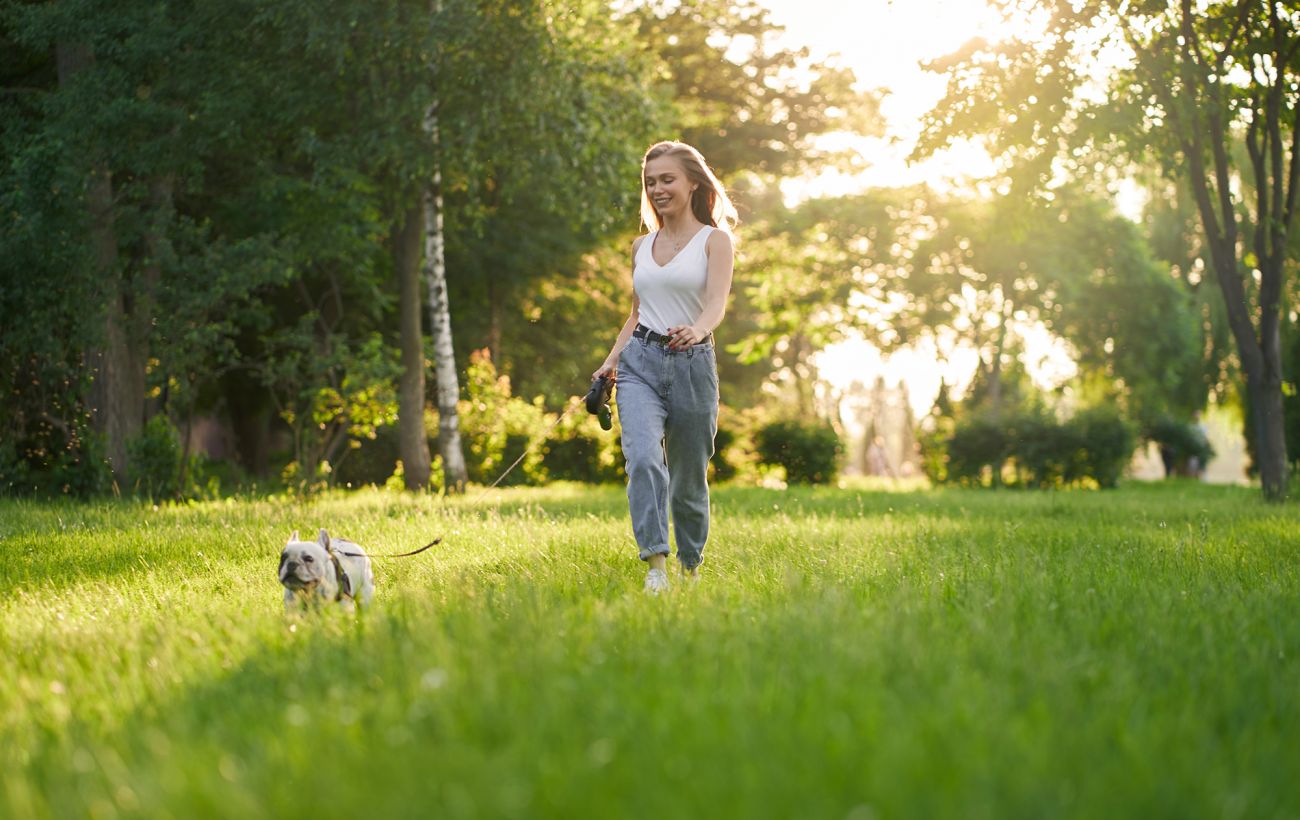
[884,42]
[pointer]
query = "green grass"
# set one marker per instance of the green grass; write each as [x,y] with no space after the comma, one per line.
[847,654]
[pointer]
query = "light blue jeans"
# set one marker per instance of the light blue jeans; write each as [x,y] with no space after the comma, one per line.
[668,417]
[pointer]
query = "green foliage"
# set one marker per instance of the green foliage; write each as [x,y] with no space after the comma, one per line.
[724,469]
[1046,453]
[155,460]
[1181,440]
[75,467]
[979,446]
[1030,447]
[330,393]
[577,449]
[1201,82]
[749,105]
[370,461]
[979,272]
[1108,442]
[498,427]
[808,451]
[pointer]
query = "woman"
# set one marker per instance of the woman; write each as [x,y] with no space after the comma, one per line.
[663,360]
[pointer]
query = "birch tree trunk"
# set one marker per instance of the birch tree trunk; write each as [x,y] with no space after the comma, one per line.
[435,277]
[413,443]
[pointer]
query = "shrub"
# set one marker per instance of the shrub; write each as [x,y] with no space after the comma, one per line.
[1108,443]
[497,426]
[979,442]
[72,465]
[154,457]
[1096,444]
[369,460]
[1180,441]
[1047,453]
[722,468]
[574,459]
[809,452]
[579,450]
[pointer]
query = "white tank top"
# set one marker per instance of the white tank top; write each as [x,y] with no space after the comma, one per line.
[672,294]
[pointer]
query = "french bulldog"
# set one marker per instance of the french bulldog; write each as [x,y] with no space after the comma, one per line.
[325,571]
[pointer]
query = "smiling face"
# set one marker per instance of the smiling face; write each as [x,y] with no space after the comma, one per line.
[667,186]
[304,564]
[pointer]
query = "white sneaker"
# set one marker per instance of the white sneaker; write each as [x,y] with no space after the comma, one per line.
[656,581]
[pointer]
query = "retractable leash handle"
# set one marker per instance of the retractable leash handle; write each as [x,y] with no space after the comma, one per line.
[602,388]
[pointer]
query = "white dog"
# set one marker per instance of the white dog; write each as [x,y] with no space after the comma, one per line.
[319,571]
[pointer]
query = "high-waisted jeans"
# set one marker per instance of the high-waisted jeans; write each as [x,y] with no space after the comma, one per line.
[668,414]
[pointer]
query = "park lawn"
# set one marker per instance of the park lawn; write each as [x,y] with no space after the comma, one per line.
[848,654]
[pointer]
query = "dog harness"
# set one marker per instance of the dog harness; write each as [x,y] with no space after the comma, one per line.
[344,583]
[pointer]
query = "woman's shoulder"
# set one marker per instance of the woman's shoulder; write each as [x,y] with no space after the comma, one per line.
[636,243]
[718,241]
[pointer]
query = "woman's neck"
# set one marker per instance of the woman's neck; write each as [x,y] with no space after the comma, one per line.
[682,223]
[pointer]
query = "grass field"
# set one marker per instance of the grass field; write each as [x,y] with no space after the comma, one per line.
[847,655]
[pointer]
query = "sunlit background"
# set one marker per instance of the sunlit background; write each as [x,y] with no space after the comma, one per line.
[886,43]
[955,226]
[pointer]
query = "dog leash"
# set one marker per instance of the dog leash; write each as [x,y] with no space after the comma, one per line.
[474,500]
[434,542]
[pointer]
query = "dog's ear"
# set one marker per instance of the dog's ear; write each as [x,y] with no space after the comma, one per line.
[293,536]
[324,539]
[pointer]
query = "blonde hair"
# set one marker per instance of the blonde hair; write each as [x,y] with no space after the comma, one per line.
[709,201]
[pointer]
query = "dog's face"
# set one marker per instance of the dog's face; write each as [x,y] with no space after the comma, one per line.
[305,565]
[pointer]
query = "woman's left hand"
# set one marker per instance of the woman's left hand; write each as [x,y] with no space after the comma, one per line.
[684,336]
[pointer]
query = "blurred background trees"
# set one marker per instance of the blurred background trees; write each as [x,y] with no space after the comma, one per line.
[213,214]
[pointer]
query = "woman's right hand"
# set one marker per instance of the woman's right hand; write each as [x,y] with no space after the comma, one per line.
[606,369]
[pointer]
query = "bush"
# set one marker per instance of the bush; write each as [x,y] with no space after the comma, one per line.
[72,465]
[154,459]
[579,450]
[1180,441]
[809,452]
[1046,453]
[1096,444]
[1108,443]
[369,461]
[496,427]
[574,459]
[723,468]
[979,442]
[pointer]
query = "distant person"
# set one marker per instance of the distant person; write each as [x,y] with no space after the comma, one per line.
[663,360]
[1195,467]
[1169,459]
[878,459]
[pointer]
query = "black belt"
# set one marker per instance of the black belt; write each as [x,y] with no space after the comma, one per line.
[643,332]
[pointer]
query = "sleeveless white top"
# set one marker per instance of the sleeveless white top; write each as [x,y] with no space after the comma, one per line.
[672,294]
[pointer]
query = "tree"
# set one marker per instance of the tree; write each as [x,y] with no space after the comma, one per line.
[989,268]
[747,104]
[1194,80]
[806,268]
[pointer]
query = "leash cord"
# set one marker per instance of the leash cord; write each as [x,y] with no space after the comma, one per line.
[481,493]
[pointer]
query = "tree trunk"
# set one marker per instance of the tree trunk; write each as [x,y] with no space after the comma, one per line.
[117,394]
[495,309]
[413,442]
[995,365]
[435,275]
[1270,436]
[1258,348]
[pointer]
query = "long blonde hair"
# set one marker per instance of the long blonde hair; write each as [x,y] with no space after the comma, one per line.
[709,201]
